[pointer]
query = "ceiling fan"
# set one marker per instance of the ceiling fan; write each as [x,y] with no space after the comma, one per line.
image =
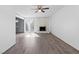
[40,8]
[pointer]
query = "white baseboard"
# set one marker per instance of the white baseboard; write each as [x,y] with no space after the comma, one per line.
[8,48]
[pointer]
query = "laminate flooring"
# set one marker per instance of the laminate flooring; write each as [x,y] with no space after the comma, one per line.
[40,43]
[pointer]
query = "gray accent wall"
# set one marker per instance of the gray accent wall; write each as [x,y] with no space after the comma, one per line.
[19,25]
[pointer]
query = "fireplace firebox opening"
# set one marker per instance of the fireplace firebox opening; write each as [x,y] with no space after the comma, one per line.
[42,28]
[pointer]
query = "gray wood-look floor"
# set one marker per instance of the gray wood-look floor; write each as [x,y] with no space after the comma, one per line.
[41,44]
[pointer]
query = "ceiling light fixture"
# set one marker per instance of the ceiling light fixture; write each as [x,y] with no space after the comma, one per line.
[39,10]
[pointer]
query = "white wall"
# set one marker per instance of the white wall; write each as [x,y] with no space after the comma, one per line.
[7,27]
[37,22]
[65,25]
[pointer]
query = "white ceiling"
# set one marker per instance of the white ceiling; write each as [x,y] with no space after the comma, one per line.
[27,10]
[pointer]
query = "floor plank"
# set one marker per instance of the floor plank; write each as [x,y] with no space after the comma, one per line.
[33,43]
